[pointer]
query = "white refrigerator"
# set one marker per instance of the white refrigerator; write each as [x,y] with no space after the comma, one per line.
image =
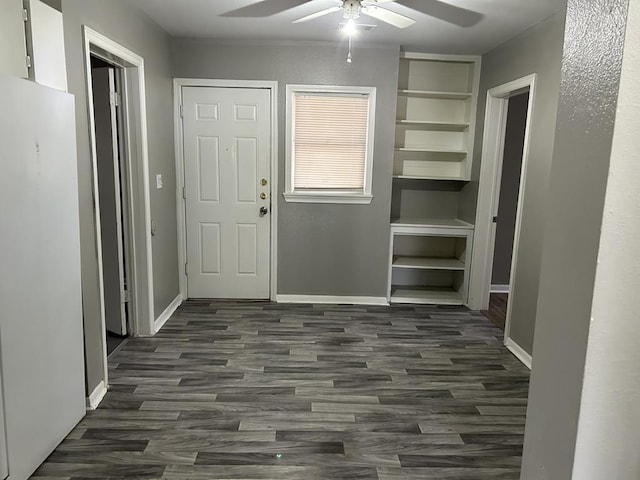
[41,335]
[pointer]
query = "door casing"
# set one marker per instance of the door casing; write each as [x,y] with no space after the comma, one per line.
[488,196]
[134,116]
[178,84]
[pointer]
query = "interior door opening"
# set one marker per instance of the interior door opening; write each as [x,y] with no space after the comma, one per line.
[507,206]
[107,80]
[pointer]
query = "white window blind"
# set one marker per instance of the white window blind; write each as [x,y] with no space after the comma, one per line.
[330,134]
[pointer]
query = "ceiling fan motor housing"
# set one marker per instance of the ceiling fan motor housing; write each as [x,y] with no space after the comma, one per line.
[351,9]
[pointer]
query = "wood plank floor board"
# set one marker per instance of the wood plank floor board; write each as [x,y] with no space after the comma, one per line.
[256,390]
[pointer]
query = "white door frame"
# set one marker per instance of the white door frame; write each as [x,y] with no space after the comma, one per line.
[489,192]
[272,86]
[136,163]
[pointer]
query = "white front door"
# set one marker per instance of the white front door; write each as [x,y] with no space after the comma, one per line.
[227,151]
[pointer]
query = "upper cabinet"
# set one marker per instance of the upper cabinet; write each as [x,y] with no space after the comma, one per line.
[435,122]
[13,51]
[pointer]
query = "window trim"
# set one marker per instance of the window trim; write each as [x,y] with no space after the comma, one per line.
[330,196]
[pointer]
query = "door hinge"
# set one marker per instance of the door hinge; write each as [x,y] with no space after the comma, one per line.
[25,15]
[185,269]
[181,111]
[28,61]
[126,296]
[115,99]
[495,219]
[184,192]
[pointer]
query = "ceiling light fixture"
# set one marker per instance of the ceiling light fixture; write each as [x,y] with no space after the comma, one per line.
[351,11]
[350,27]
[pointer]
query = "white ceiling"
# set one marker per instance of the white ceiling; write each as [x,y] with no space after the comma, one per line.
[498,20]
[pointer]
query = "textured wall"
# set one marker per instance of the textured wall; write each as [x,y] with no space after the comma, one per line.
[322,249]
[539,51]
[591,66]
[127,26]
[609,423]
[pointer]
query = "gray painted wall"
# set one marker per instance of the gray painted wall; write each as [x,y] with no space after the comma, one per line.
[509,186]
[591,67]
[538,50]
[127,26]
[322,249]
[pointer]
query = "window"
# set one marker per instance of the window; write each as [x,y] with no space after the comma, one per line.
[329,144]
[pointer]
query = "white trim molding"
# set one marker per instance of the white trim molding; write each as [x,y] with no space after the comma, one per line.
[139,205]
[166,315]
[93,401]
[361,197]
[272,86]
[489,190]
[499,288]
[518,352]
[332,299]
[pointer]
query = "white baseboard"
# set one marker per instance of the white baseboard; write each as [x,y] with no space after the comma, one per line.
[96,396]
[499,289]
[519,352]
[331,299]
[166,315]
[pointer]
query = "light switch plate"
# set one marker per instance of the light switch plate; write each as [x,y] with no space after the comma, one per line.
[159,183]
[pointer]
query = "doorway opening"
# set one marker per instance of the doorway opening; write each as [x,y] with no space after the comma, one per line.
[505,220]
[123,305]
[505,153]
[107,80]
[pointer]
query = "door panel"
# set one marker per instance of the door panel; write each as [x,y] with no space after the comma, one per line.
[227,145]
[103,82]
[209,174]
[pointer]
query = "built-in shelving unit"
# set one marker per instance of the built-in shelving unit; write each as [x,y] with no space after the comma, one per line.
[429,262]
[437,98]
[435,123]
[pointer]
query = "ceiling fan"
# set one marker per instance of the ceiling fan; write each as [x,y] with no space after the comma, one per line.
[434,8]
[352,9]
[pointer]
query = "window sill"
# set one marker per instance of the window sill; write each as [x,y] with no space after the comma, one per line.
[355,199]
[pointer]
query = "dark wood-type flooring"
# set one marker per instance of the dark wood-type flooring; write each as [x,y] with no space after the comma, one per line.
[265,391]
[497,312]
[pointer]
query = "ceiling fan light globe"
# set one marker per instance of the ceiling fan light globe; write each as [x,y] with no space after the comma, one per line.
[350,27]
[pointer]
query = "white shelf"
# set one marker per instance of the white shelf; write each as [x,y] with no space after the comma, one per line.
[417,177]
[432,150]
[431,223]
[427,263]
[425,295]
[435,94]
[442,126]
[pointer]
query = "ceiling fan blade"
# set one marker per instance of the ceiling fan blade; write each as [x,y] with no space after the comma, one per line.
[265,8]
[393,18]
[444,11]
[319,14]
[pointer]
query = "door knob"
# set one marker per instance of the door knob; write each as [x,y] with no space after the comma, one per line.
[263,211]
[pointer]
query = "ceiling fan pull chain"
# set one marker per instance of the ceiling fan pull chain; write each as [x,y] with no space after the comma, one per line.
[349,57]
